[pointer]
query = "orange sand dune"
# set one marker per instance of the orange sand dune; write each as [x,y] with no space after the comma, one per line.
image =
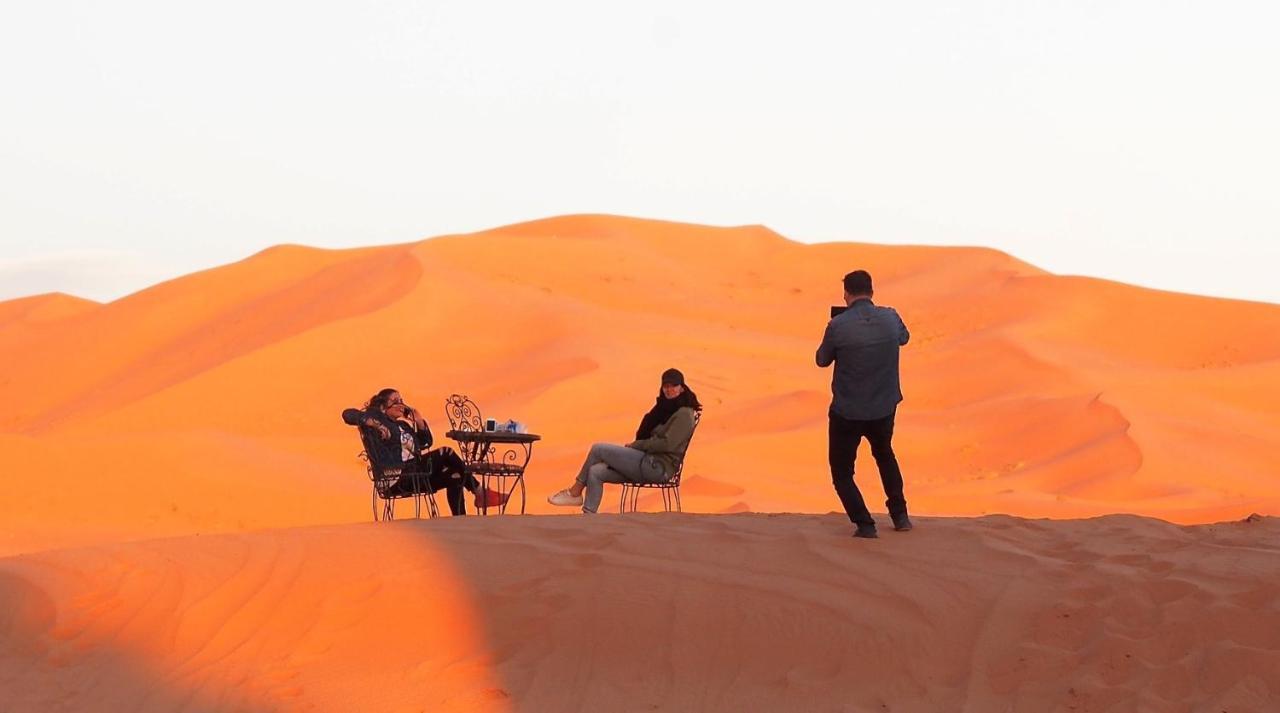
[210,403]
[14,314]
[655,612]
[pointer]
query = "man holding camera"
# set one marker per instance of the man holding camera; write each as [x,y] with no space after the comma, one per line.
[863,340]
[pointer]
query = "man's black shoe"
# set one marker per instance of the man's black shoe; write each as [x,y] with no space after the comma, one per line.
[901,523]
[867,531]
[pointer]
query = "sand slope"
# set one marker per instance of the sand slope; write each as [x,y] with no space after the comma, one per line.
[655,612]
[209,403]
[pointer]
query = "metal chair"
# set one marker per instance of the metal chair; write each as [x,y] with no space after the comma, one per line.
[386,481]
[670,489]
[487,459]
[463,413]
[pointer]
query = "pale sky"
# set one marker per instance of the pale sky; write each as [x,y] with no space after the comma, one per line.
[1130,140]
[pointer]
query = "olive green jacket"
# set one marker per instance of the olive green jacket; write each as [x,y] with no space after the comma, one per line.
[669,440]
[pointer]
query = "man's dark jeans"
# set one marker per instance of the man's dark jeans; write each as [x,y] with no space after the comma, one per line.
[843,437]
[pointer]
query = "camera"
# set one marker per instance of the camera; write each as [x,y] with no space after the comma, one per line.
[837,309]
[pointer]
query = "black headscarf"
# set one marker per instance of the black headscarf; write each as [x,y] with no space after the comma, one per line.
[662,410]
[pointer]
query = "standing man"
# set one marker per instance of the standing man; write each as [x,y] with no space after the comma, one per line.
[863,341]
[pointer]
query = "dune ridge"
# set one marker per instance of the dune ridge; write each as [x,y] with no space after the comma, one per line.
[209,403]
[683,612]
[39,308]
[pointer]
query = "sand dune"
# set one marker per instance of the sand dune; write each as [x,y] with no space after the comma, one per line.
[209,403]
[148,444]
[655,612]
[16,313]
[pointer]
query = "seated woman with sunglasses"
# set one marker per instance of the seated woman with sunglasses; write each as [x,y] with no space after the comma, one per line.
[406,438]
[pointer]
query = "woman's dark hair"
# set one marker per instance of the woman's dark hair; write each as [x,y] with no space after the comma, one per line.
[663,408]
[379,400]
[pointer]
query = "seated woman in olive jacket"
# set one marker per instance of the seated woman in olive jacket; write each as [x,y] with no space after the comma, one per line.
[654,457]
[400,435]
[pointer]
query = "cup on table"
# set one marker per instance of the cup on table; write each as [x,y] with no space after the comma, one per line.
[490,424]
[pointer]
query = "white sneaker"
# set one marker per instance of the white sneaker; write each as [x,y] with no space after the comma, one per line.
[565,498]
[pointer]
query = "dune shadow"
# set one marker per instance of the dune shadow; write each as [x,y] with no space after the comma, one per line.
[334,617]
[45,669]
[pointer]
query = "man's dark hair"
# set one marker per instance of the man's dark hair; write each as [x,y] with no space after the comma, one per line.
[858,282]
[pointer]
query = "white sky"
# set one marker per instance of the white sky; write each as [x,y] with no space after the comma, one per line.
[1123,139]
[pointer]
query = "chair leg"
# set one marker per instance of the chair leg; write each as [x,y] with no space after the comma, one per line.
[519,484]
[677,494]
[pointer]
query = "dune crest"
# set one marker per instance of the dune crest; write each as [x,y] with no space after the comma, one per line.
[42,308]
[737,612]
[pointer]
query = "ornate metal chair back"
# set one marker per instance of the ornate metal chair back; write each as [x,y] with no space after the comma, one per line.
[463,413]
[383,478]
